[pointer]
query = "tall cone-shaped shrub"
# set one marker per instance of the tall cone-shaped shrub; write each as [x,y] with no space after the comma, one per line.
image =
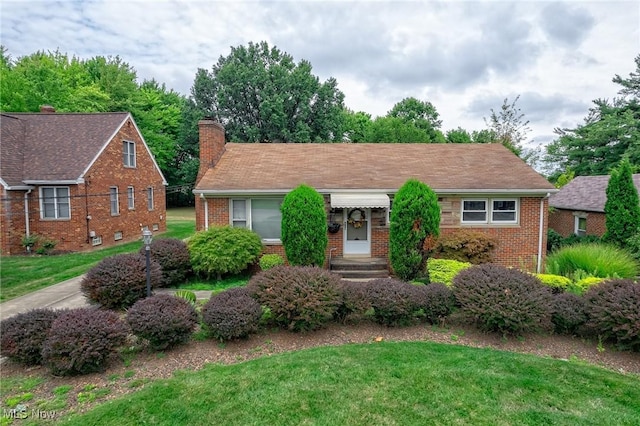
[415,217]
[622,208]
[304,227]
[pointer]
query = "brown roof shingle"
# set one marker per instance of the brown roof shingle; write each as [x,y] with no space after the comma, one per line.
[353,166]
[53,147]
[587,193]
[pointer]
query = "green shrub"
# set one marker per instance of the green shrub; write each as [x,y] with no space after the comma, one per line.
[569,313]
[504,300]
[584,284]
[633,245]
[231,314]
[622,208]
[304,227]
[598,260]
[173,256]
[353,300]
[82,341]
[223,250]
[466,245]
[119,281]
[443,270]
[164,320]
[612,308]
[554,240]
[22,335]
[268,261]
[557,283]
[300,298]
[415,218]
[435,301]
[395,302]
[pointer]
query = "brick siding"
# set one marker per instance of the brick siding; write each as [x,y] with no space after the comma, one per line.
[563,222]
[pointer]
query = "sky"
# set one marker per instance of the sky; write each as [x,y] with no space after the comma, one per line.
[465,57]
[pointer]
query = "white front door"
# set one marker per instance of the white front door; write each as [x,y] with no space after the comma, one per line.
[357,232]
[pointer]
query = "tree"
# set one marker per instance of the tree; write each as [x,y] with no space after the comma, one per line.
[622,208]
[261,95]
[610,132]
[304,227]
[509,126]
[356,125]
[420,115]
[396,130]
[458,135]
[415,218]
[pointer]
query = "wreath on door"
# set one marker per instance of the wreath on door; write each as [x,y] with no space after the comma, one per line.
[356,218]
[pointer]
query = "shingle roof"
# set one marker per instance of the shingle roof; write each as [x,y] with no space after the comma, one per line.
[53,147]
[586,193]
[353,166]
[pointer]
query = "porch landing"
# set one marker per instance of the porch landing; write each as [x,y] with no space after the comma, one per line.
[360,267]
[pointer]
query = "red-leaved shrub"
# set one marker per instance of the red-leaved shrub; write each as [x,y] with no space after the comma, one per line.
[22,335]
[231,314]
[173,256]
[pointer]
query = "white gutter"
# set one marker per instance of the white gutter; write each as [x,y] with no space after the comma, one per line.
[540,234]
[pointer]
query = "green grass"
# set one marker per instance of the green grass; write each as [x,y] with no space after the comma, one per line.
[598,260]
[383,384]
[20,275]
[198,283]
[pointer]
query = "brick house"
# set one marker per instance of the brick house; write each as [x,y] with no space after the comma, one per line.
[483,187]
[578,208]
[81,180]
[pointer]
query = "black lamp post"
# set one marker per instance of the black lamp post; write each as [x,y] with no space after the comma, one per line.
[147,236]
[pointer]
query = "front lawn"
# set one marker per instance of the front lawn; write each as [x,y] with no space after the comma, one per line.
[20,275]
[384,384]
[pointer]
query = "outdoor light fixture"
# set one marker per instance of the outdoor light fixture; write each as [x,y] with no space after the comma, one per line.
[147,236]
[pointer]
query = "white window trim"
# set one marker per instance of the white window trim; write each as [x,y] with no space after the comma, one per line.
[131,146]
[150,201]
[117,193]
[489,212]
[576,224]
[55,203]
[248,216]
[475,222]
[131,198]
[517,211]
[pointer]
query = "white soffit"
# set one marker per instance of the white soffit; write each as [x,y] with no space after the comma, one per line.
[360,200]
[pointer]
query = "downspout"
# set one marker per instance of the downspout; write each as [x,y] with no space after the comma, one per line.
[540,234]
[27,229]
[206,212]
[86,209]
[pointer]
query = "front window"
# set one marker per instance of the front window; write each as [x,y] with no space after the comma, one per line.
[581,226]
[150,198]
[129,153]
[131,198]
[262,215]
[495,210]
[113,198]
[55,203]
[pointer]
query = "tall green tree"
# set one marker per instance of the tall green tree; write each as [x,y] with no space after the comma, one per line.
[622,208]
[610,132]
[260,94]
[304,227]
[414,218]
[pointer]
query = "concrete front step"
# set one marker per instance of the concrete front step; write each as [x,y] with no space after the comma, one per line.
[363,275]
[360,268]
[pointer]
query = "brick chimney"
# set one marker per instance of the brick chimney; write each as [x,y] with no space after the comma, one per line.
[47,109]
[211,135]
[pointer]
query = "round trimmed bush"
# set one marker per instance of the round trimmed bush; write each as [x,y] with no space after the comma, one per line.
[223,250]
[466,245]
[353,299]
[82,340]
[443,270]
[300,298]
[164,320]
[504,300]
[436,301]
[119,281]
[22,335]
[569,313]
[268,261]
[613,308]
[394,302]
[173,256]
[232,314]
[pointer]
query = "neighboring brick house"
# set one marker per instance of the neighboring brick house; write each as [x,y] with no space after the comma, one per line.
[81,180]
[578,208]
[483,187]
